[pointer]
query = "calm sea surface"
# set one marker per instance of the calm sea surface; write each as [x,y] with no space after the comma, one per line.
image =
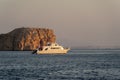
[76,65]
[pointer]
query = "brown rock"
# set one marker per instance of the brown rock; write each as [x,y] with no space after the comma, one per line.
[26,38]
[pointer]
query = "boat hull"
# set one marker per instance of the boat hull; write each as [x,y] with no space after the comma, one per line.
[53,51]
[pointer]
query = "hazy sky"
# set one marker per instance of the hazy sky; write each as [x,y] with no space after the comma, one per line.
[77,23]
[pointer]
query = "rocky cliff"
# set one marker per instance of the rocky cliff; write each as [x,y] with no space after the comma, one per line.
[26,38]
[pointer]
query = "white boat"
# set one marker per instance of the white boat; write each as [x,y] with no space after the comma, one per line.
[52,48]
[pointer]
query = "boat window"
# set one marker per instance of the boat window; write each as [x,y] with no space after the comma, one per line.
[55,44]
[55,48]
[48,44]
[46,48]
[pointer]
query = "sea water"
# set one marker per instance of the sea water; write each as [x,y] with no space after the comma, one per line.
[76,65]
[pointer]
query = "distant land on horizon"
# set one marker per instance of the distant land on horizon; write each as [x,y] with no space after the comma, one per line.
[96,48]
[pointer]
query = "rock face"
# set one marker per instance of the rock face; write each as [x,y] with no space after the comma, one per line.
[26,38]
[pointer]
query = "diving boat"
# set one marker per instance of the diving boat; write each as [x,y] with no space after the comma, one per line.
[52,48]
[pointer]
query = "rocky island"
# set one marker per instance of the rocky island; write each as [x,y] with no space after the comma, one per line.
[22,39]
